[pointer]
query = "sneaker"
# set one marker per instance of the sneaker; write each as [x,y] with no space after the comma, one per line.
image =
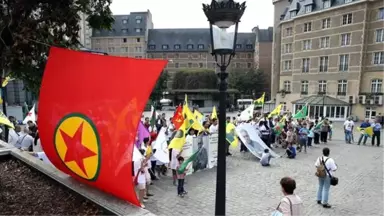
[185,192]
[182,195]
[142,206]
[319,202]
[148,194]
[145,198]
[327,205]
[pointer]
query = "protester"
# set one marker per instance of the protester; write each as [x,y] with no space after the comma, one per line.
[214,128]
[303,137]
[348,130]
[141,178]
[330,133]
[25,140]
[325,167]
[13,135]
[290,204]
[376,133]
[291,151]
[265,158]
[32,128]
[180,178]
[363,136]
[174,163]
[324,130]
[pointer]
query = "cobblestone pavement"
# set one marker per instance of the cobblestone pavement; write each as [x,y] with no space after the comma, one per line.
[255,190]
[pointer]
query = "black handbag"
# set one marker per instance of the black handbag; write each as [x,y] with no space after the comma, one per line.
[334,180]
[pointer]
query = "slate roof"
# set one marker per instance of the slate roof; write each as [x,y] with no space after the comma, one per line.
[125,25]
[317,5]
[263,35]
[320,100]
[180,40]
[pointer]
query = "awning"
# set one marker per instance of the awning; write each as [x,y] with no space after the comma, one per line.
[320,100]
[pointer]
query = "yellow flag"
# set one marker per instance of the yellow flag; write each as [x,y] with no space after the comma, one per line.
[260,101]
[5,121]
[366,131]
[198,116]
[178,140]
[6,80]
[282,120]
[190,119]
[214,113]
[231,135]
[148,151]
[276,111]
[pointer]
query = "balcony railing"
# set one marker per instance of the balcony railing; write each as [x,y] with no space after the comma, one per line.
[341,93]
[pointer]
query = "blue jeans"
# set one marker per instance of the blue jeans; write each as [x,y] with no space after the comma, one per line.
[348,136]
[323,191]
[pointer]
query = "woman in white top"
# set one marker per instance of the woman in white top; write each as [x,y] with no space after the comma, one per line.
[174,163]
[290,204]
[325,182]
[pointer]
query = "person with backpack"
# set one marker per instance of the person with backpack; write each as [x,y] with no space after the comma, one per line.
[325,167]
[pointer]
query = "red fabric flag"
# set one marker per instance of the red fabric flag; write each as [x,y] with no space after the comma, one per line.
[89,110]
[178,118]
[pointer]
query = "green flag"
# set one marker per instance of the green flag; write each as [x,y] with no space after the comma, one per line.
[318,125]
[278,129]
[302,114]
[184,165]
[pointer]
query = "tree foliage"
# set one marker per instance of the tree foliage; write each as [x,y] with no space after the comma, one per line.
[195,79]
[160,87]
[27,26]
[248,82]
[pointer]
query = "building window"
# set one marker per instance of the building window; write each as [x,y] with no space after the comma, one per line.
[327,3]
[344,62]
[124,30]
[238,46]
[138,21]
[125,40]
[323,64]
[164,47]
[380,35]
[249,46]
[347,19]
[200,46]
[189,65]
[288,31]
[305,63]
[342,87]
[200,65]
[346,39]
[125,21]
[304,86]
[322,86]
[152,47]
[324,42]
[376,85]
[238,65]
[138,30]
[249,65]
[111,49]
[287,65]
[326,23]
[308,8]
[287,86]
[288,48]
[138,49]
[176,65]
[249,55]
[177,46]
[307,44]
[97,41]
[378,58]
[370,113]
[348,1]
[380,14]
[190,46]
[137,40]
[124,49]
[292,14]
[307,27]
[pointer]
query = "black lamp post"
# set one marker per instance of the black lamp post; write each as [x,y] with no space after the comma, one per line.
[221,15]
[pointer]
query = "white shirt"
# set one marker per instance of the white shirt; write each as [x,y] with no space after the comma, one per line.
[330,164]
[141,176]
[348,124]
[213,129]
[265,158]
[12,137]
[24,141]
[297,205]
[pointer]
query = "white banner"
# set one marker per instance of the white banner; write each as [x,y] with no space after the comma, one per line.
[201,161]
[187,152]
[212,150]
[252,141]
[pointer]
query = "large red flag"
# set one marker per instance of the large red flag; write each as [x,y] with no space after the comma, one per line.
[178,118]
[89,110]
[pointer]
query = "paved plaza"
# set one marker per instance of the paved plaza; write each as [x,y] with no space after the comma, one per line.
[255,190]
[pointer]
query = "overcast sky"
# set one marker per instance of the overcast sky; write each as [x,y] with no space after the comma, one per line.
[189,13]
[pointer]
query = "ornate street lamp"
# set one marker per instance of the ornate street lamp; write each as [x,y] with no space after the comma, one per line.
[221,15]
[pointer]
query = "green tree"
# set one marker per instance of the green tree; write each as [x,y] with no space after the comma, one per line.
[160,87]
[195,79]
[28,27]
[248,82]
